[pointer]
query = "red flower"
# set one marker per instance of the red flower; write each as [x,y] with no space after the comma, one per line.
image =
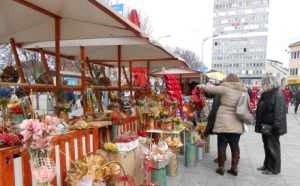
[11,138]
[142,133]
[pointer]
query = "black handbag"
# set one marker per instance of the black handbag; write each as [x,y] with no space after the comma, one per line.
[266,129]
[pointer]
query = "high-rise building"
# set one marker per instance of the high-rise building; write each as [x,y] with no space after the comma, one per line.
[240,48]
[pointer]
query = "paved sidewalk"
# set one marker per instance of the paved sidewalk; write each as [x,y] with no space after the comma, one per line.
[252,156]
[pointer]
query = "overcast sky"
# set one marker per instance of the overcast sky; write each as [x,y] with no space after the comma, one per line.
[189,21]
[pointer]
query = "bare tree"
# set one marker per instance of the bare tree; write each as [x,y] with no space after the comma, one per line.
[144,19]
[145,23]
[189,56]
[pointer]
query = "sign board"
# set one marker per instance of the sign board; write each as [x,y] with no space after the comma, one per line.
[202,69]
[118,7]
[72,81]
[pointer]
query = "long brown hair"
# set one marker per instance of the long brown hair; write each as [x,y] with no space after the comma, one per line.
[232,78]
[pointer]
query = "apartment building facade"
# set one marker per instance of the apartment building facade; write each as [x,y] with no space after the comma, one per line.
[240,47]
[294,66]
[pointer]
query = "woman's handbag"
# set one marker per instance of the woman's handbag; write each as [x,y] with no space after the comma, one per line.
[243,109]
[266,129]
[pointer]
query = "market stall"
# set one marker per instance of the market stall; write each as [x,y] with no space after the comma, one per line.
[184,75]
[109,41]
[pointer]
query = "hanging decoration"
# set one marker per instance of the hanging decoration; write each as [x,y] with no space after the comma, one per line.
[140,77]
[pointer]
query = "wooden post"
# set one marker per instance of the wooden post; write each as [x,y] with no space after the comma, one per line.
[26,170]
[83,79]
[180,78]
[62,162]
[97,91]
[119,67]
[148,72]
[57,52]
[7,169]
[90,68]
[44,61]
[17,59]
[130,78]
[184,87]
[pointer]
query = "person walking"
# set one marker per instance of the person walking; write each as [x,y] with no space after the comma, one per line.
[228,126]
[297,100]
[271,111]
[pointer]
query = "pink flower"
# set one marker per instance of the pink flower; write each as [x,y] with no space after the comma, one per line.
[42,144]
[43,174]
[31,128]
[51,124]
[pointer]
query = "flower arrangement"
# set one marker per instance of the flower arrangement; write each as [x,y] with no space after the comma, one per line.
[37,134]
[10,138]
[15,107]
[198,99]
[127,137]
[93,168]
[62,107]
[200,128]
[157,153]
[110,147]
[78,125]
[117,116]
[173,142]
[37,138]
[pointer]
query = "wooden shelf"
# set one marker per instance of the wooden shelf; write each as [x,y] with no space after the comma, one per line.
[41,87]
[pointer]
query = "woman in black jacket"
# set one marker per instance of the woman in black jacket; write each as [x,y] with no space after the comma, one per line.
[271,110]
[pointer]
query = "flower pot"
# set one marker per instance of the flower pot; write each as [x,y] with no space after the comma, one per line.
[151,123]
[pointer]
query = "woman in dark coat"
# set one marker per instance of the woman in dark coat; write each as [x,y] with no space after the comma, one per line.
[271,110]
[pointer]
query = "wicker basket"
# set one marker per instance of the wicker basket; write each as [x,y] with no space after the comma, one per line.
[175,150]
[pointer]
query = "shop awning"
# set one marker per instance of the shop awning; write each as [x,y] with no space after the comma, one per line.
[216,75]
[88,23]
[183,72]
[34,20]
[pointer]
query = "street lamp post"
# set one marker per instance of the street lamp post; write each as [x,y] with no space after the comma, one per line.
[202,53]
[203,41]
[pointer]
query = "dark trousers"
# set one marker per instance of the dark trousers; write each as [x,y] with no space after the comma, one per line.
[228,138]
[272,153]
[296,106]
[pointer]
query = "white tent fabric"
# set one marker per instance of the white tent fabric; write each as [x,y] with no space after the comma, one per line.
[103,49]
[80,19]
[88,23]
[183,72]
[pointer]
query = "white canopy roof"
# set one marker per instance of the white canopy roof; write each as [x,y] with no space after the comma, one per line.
[105,51]
[33,20]
[88,23]
[183,72]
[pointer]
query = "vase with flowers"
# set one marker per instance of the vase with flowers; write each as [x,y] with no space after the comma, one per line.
[37,139]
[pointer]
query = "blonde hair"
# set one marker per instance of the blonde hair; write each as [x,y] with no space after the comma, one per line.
[232,78]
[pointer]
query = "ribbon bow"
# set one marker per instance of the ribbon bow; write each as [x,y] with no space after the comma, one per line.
[127,179]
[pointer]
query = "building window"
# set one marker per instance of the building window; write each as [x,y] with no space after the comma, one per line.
[297,54]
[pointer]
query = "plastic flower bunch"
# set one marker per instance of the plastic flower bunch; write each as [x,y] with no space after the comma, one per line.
[198,98]
[10,138]
[36,134]
[157,153]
